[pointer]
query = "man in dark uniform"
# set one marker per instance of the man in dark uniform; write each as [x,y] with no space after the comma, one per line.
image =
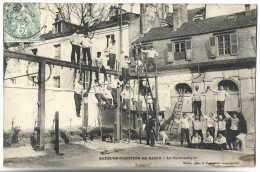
[150,130]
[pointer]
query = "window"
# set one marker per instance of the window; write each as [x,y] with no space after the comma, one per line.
[108,36]
[179,51]
[57,51]
[35,51]
[56,81]
[224,44]
[228,85]
[34,80]
[58,28]
[183,88]
[179,47]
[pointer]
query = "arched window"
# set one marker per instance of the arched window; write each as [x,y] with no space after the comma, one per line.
[183,88]
[228,85]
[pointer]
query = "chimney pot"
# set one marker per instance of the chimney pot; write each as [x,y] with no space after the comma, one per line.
[247,9]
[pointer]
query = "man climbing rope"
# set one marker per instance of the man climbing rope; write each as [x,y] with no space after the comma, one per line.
[75,43]
[151,54]
[78,96]
[99,64]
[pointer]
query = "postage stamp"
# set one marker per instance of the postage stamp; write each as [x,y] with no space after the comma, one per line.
[21,22]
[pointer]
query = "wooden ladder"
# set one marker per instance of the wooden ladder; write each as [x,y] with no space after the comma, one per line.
[176,114]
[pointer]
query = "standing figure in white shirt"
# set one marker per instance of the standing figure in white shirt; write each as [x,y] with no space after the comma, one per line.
[75,42]
[78,96]
[221,98]
[115,85]
[112,54]
[210,124]
[151,54]
[125,69]
[197,127]
[99,64]
[86,43]
[184,128]
[126,97]
[197,101]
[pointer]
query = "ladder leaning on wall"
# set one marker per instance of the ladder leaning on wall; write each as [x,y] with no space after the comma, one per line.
[176,114]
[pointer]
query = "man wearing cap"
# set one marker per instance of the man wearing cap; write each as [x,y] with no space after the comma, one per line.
[125,69]
[197,101]
[75,42]
[99,64]
[151,54]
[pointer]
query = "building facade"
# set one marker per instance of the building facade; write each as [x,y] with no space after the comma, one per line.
[60,84]
[216,51]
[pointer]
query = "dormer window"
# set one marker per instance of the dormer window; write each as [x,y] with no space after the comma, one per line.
[57,27]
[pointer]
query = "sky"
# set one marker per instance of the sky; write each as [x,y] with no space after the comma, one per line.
[213,10]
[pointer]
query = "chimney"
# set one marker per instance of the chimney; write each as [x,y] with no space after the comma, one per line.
[180,15]
[247,8]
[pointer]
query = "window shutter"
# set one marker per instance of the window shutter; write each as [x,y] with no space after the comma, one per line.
[213,47]
[170,53]
[233,44]
[188,50]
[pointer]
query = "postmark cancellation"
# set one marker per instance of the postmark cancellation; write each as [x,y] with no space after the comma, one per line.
[21,22]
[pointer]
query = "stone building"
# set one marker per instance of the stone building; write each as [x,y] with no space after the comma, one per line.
[215,51]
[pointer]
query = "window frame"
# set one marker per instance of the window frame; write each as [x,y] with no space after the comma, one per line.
[56,80]
[180,47]
[56,47]
[33,77]
[224,44]
[183,83]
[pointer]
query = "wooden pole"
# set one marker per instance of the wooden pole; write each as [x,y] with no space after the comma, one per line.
[141,18]
[156,105]
[129,117]
[117,118]
[120,29]
[138,103]
[41,105]
[57,133]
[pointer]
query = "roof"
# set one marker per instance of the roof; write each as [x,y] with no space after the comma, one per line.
[191,14]
[112,22]
[209,25]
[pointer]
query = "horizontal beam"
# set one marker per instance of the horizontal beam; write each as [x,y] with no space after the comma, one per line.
[51,61]
[229,63]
